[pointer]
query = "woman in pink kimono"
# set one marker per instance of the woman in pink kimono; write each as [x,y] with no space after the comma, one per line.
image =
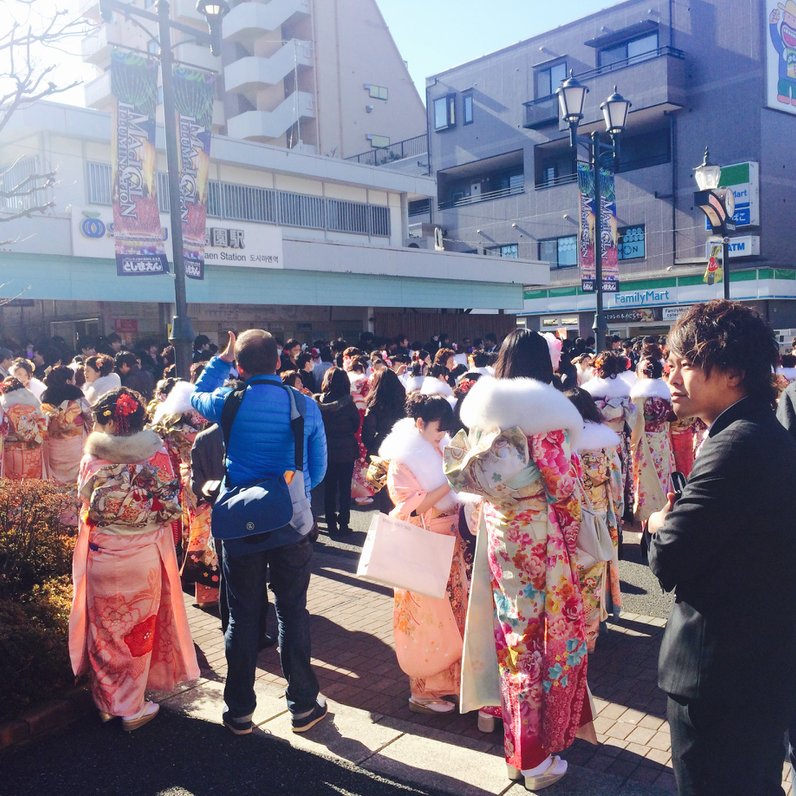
[25,429]
[128,629]
[428,630]
[651,448]
[69,421]
[525,640]
[601,471]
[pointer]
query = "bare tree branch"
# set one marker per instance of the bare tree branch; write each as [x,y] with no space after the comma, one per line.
[26,77]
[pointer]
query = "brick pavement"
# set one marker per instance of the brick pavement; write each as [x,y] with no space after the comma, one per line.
[356,666]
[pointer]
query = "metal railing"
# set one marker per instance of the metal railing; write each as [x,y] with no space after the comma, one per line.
[408,148]
[544,110]
[622,166]
[481,197]
[635,59]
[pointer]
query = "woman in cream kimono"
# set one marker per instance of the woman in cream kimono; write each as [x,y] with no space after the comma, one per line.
[128,627]
[611,392]
[69,421]
[525,641]
[428,631]
[601,471]
[652,457]
[178,423]
[25,429]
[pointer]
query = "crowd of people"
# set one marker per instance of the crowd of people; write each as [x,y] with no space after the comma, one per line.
[508,447]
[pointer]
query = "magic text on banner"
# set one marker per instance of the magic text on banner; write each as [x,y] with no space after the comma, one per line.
[136,219]
[194,90]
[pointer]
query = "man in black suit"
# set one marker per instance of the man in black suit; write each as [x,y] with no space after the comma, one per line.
[727,547]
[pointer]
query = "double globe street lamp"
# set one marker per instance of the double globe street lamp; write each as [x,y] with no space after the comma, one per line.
[718,205]
[213,11]
[601,154]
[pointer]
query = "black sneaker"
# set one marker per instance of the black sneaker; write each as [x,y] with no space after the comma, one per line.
[241,726]
[317,714]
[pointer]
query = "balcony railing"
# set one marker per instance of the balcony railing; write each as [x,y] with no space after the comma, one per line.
[541,111]
[408,148]
[552,182]
[624,165]
[635,59]
[481,197]
[544,110]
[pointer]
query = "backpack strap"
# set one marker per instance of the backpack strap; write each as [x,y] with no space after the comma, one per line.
[232,404]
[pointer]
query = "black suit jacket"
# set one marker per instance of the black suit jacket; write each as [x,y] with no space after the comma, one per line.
[728,549]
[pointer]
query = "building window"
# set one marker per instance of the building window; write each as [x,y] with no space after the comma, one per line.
[548,78]
[98,182]
[632,243]
[378,141]
[509,250]
[467,108]
[235,202]
[377,92]
[630,51]
[559,252]
[445,112]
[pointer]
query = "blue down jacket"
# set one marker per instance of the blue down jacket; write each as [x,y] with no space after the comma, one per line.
[262,441]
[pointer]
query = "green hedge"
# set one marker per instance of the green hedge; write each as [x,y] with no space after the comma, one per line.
[35,592]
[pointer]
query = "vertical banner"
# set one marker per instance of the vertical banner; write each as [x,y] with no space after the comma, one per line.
[781,55]
[136,220]
[193,95]
[608,232]
[586,224]
[714,273]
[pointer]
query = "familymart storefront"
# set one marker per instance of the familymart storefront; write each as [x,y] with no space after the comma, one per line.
[650,306]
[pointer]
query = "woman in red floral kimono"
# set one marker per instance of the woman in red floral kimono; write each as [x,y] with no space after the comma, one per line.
[525,590]
[128,629]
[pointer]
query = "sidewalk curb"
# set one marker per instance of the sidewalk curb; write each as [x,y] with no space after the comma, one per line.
[52,716]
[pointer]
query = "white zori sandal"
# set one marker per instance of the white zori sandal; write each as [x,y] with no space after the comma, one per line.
[547,773]
[430,706]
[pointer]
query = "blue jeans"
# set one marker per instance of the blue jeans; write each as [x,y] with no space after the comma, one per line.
[245,577]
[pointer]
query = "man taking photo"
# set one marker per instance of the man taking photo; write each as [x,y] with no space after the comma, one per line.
[727,546]
[261,443]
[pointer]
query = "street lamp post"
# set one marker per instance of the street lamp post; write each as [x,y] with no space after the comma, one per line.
[181,336]
[571,95]
[718,205]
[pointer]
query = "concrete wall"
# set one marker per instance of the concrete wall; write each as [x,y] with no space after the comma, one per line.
[354,47]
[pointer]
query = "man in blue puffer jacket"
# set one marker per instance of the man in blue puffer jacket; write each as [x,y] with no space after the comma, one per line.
[261,442]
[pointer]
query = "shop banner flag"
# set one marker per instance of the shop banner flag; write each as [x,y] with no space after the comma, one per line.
[586,263]
[608,230]
[194,91]
[714,273]
[138,233]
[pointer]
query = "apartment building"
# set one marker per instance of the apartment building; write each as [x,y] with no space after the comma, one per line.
[698,74]
[320,76]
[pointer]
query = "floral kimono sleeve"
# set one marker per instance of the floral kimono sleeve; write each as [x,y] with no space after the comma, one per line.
[558,469]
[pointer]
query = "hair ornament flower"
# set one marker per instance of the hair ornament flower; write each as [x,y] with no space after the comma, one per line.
[126,405]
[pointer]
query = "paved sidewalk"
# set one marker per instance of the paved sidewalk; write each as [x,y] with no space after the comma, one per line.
[371,725]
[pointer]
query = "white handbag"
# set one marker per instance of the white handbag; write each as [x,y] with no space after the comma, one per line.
[404,556]
[594,539]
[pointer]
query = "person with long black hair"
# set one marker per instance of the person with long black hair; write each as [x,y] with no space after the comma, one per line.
[341,421]
[526,640]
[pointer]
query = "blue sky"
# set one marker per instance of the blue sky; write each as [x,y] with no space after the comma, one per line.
[433,35]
